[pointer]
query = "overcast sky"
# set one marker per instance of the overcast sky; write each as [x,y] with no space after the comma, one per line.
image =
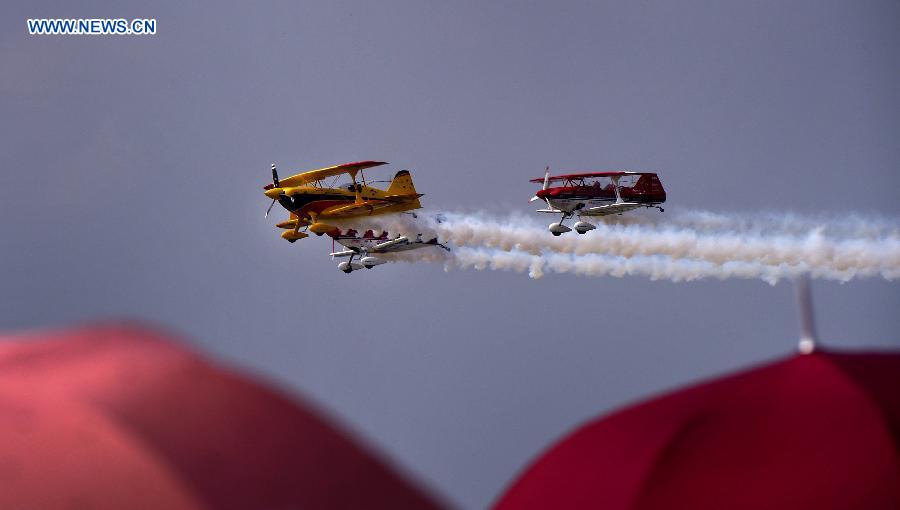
[132,170]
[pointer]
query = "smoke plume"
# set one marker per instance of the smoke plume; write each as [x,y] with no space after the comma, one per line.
[678,247]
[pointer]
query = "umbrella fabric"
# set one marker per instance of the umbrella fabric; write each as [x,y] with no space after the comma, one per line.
[124,417]
[817,431]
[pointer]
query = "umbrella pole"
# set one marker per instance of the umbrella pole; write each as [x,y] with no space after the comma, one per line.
[808,337]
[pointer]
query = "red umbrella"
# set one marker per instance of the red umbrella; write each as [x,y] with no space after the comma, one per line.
[121,417]
[814,431]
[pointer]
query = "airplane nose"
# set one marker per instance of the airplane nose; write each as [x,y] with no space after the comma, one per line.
[273,193]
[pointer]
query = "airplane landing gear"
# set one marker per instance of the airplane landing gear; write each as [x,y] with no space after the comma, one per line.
[370,262]
[349,266]
[583,227]
[558,228]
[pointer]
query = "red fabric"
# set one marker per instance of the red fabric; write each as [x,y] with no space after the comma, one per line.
[121,417]
[818,431]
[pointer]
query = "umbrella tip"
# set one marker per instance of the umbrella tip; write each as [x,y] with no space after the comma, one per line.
[806,346]
[807,342]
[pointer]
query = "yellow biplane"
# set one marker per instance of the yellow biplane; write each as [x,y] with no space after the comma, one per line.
[311,201]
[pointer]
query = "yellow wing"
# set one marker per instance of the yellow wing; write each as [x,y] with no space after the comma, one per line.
[360,209]
[323,173]
[370,207]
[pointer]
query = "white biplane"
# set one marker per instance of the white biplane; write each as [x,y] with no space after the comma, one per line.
[368,246]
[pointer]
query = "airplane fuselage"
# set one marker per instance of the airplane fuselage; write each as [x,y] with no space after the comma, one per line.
[574,198]
[306,201]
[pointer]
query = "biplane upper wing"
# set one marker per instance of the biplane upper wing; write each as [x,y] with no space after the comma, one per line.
[323,173]
[566,177]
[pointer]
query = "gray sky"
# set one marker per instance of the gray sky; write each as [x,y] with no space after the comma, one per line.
[132,170]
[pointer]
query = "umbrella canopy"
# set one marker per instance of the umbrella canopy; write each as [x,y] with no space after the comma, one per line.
[814,431]
[123,417]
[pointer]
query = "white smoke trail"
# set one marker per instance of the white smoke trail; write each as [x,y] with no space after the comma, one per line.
[654,267]
[677,247]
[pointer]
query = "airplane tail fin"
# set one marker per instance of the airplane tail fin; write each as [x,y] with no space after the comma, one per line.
[651,185]
[402,184]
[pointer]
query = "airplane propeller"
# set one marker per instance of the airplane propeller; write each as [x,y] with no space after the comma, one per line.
[275,184]
[546,184]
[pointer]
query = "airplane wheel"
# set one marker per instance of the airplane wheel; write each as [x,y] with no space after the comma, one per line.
[557,234]
[292,241]
[348,271]
[580,232]
[662,210]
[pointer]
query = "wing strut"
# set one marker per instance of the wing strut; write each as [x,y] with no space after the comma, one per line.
[356,189]
[615,180]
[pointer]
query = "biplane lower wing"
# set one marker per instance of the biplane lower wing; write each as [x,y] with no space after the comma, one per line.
[601,210]
[345,211]
[369,207]
[606,210]
[386,247]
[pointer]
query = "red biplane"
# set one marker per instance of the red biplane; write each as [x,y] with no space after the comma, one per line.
[597,194]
